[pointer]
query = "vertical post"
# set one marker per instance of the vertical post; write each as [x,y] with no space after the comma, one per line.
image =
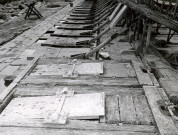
[140,25]
[97,43]
[141,45]
[148,38]
[168,37]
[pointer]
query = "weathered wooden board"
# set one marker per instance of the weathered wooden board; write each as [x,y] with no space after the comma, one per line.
[2,84]
[27,52]
[164,123]
[3,65]
[78,22]
[78,14]
[67,52]
[9,90]
[115,69]
[143,78]
[20,62]
[81,81]
[9,70]
[143,112]
[30,108]
[65,42]
[51,69]
[82,9]
[89,69]
[46,131]
[75,26]
[70,33]
[127,109]
[112,110]
[79,18]
[61,69]
[44,90]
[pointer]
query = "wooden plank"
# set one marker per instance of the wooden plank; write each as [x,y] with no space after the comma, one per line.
[127,109]
[112,110]
[86,125]
[45,131]
[81,81]
[3,65]
[20,62]
[9,70]
[164,123]
[67,52]
[43,90]
[61,69]
[84,106]
[143,112]
[70,33]
[2,84]
[79,18]
[65,42]
[9,90]
[154,80]
[27,70]
[27,52]
[115,69]
[29,109]
[79,106]
[143,78]
[55,116]
[74,27]
[89,69]
[170,87]
[52,52]
[78,22]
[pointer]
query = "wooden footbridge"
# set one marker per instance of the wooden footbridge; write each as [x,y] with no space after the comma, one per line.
[99,67]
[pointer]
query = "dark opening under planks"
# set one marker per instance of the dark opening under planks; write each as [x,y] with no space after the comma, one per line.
[78,22]
[70,33]
[81,15]
[80,18]
[75,26]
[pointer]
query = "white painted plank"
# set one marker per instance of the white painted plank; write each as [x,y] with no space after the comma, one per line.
[85,106]
[33,109]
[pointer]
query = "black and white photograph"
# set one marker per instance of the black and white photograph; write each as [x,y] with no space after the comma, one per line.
[88,67]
